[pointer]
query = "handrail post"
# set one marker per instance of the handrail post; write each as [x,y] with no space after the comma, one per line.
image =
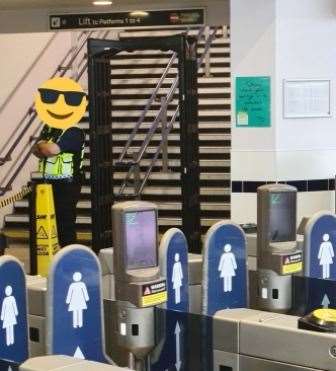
[207,62]
[164,135]
[74,66]
[136,175]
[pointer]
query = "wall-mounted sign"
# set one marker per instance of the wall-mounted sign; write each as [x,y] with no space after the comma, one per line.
[253,101]
[128,19]
[307,98]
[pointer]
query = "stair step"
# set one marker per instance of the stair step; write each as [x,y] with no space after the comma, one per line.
[132,72]
[169,81]
[166,191]
[22,234]
[170,113]
[171,150]
[173,137]
[86,204]
[177,163]
[87,220]
[164,91]
[146,125]
[142,102]
[163,60]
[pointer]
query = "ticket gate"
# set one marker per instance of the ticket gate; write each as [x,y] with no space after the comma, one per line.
[263,341]
[55,363]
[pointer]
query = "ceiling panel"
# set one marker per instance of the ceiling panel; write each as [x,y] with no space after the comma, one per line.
[52,4]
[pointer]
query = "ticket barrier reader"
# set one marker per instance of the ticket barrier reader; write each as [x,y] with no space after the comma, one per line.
[64,363]
[139,286]
[278,254]
[263,341]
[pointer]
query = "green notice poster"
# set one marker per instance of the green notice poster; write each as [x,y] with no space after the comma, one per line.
[253,102]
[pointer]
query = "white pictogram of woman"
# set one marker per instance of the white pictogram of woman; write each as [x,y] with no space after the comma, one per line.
[9,313]
[326,255]
[77,298]
[227,267]
[177,278]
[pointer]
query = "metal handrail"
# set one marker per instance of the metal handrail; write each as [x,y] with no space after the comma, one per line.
[145,111]
[7,187]
[169,126]
[158,151]
[31,110]
[207,46]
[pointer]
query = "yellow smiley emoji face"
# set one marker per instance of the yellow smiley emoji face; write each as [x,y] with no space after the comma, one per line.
[60,103]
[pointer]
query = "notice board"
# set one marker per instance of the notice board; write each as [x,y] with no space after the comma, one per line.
[253,101]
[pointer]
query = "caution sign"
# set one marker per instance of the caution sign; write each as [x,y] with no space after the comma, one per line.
[154,294]
[292,263]
[46,228]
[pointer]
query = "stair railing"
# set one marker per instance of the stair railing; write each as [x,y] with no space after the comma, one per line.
[169,127]
[24,155]
[134,165]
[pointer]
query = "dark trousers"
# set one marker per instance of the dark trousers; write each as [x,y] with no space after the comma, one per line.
[66,196]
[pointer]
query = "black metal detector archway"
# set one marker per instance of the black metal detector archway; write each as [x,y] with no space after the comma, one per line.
[100,54]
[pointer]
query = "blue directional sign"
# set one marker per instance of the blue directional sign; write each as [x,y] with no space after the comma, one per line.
[312,293]
[174,351]
[224,269]
[75,317]
[320,246]
[174,266]
[13,312]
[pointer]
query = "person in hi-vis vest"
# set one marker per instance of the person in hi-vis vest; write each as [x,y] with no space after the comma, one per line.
[60,104]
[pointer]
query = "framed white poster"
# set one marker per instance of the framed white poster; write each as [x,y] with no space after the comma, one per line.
[307,98]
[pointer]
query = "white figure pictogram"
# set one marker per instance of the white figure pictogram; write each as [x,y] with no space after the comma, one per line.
[77,299]
[227,267]
[9,314]
[177,278]
[326,255]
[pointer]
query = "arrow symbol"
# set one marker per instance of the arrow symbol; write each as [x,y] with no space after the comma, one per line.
[325,302]
[178,363]
[79,354]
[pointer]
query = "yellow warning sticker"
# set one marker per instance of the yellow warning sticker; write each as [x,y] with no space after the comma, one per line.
[292,268]
[154,299]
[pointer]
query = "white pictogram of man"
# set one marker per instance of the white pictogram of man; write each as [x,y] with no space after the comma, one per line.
[326,255]
[77,298]
[177,278]
[9,313]
[227,267]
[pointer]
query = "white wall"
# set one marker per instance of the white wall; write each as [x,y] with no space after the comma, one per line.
[305,50]
[27,60]
[253,32]
[284,39]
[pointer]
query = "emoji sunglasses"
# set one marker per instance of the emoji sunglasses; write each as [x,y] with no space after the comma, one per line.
[72,98]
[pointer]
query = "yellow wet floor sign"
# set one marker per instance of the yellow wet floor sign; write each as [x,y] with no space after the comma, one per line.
[46,228]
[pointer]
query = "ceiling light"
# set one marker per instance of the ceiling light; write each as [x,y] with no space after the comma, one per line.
[102,2]
[139,13]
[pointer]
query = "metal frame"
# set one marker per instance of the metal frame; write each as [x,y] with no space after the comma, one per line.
[102,196]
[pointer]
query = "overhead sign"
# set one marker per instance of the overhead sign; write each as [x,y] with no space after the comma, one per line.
[13,309]
[224,282]
[320,246]
[146,18]
[174,266]
[75,313]
[253,101]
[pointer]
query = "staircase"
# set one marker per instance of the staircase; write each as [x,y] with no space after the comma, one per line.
[133,80]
